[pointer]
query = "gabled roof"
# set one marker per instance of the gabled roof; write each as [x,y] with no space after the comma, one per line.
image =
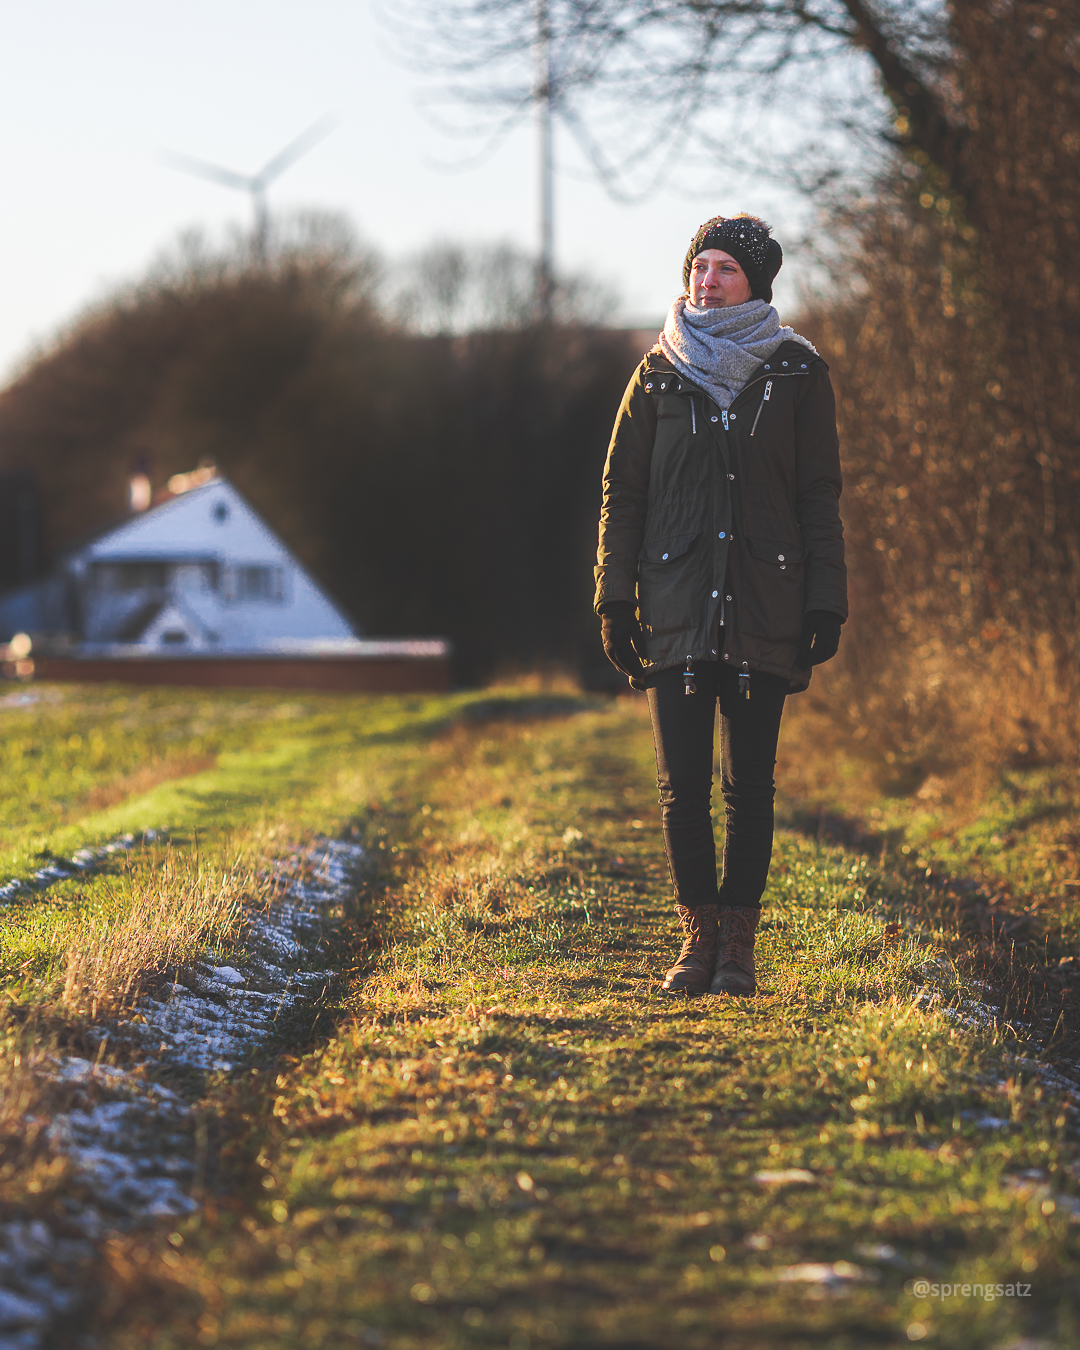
[211,520]
[248,593]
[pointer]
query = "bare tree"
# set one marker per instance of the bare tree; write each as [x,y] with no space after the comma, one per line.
[454,288]
[644,84]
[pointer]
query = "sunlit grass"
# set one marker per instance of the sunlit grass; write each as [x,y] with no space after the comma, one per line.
[156,918]
[511,1140]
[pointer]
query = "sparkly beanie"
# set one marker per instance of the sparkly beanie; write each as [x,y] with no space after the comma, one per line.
[749,242]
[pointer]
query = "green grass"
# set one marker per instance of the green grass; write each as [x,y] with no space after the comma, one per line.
[82,763]
[256,776]
[510,1139]
[1016,833]
[505,1137]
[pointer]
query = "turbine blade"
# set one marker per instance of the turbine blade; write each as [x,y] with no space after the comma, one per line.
[202,169]
[292,152]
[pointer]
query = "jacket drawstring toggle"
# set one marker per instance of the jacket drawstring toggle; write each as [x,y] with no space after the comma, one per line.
[689,687]
[744,680]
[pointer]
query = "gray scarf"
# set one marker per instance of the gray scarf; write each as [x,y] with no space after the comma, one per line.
[720,349]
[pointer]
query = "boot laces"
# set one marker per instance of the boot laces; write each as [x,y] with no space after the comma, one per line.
[695,928]
[739,939]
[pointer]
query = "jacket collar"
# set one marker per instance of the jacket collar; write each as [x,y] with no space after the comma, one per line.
[790,358]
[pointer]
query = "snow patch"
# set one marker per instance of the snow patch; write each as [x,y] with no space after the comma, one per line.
[130,1139]
[63,869]
[833,1275]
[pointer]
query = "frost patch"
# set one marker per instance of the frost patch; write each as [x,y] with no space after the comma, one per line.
[129,1139]
[63,869]
[833,1275]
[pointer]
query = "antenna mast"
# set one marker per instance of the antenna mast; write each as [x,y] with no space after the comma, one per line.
[545,279]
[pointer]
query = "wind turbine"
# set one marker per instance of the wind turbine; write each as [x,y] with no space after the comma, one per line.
[255,183]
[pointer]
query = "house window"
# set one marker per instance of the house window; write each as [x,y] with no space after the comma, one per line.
[257,581]
[143,575]
[196,577]
[129,576]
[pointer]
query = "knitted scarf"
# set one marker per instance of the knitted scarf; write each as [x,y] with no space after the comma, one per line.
[720,349]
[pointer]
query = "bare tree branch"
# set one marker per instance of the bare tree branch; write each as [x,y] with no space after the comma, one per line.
[921,121]
[631,76]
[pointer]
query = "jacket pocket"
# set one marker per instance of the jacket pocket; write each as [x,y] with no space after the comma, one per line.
[669,549]
[777,552]
[774,589]
[666,572]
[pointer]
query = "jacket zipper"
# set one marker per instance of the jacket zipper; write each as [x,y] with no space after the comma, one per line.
[779,375]
[693,418]
[723,413]
[764,399]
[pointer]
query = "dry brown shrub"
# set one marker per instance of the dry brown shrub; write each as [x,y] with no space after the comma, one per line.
[935,724]
[958,388]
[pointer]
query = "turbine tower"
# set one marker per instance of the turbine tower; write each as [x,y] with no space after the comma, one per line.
[256,183]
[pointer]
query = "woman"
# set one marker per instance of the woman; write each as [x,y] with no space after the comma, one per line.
[720,574]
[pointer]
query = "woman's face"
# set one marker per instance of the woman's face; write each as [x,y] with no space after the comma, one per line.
[717,280]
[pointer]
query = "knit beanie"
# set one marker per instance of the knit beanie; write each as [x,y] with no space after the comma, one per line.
[749,242]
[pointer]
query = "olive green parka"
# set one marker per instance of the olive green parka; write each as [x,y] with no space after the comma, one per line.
[723,528]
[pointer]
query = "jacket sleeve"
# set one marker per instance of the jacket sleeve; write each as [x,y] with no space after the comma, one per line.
[626,494]
[817,487]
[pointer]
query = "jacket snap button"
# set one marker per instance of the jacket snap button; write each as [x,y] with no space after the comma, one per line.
[731,478]
[783,567]
[648,386]
[721,534]
[663,386]
[779,557]
[715,594]
[727,597]
[768,367]
[664,558]
[726,657]
[804,365]
[733,417]
[714,419]
[783,363]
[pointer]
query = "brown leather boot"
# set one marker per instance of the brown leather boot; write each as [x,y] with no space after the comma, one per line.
[693,970]
[735,952]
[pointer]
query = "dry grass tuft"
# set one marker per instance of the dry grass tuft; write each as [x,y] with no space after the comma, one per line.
[155,919]
[24,1050]
[933,715]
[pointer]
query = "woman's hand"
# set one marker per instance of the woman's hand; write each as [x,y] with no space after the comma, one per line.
[820,639]
[622,638]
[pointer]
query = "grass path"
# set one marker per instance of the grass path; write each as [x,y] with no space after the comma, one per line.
[510,1140]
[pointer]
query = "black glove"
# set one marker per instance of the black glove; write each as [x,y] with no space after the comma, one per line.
[821,628]
[622,638]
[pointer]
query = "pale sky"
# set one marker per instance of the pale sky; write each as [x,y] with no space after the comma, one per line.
[91,93]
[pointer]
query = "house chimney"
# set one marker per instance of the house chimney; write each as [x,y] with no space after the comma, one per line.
[139,483]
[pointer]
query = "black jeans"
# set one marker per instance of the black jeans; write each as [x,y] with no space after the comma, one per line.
[683,735]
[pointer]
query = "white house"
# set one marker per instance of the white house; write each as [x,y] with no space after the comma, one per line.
[196,573]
